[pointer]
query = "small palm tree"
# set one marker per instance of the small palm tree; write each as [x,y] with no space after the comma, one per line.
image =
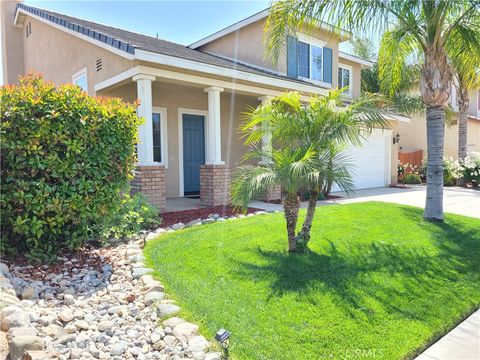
[428,25]
[307,152]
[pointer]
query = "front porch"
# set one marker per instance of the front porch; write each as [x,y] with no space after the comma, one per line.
[189,142]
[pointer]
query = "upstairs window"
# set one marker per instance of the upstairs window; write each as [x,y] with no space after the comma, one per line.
[345,79]
[80,79]
[310,60]
[478,102]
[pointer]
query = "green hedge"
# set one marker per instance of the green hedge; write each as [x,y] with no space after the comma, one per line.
[66,158]
[411,178]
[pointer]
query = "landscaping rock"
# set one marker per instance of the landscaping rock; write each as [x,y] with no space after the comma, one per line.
[20,345]
[139,272]
[178,226]
[66,315]
[30,293]
[185,329]
[105,325]
[167,309]
[153,296]
[17,319]
[119,348]
[197,344]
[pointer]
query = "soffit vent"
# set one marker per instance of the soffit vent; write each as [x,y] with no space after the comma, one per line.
[28,29]
[98,64]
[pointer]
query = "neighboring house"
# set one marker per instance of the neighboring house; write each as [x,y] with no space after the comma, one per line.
[413,135]
[192,98]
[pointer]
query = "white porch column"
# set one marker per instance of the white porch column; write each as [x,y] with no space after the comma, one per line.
[267,138]
[145,131]
[213,154]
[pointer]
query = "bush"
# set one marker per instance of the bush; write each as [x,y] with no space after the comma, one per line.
[471,168]
[452,171]
[66,160]
[135,214]
[412,178]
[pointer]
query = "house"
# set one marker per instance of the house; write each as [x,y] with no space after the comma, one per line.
[192,97]
[413,135]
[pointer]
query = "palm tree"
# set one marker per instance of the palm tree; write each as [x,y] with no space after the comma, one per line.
[306,153]
[428,25]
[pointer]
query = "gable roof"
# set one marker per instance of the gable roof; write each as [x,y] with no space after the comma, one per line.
[247,21]
[128,42]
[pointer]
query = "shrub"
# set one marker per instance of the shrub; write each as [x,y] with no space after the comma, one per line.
[452,171]
[412,178]
[134,215]
[471,168]
[66,159]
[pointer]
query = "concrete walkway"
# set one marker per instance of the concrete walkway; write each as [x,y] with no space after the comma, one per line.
[455,200]
[462,343]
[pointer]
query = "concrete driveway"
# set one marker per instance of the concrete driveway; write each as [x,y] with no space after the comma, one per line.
[456,200]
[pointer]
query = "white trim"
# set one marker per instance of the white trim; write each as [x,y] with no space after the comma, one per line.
[79,74]
[344,55]
[388,162]
[250,20]
[348,94]
[311,40]
[202,80]
[226,72]
[182,111]
[164,137]
[77,34]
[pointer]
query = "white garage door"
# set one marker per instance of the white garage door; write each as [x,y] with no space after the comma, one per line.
[371,162]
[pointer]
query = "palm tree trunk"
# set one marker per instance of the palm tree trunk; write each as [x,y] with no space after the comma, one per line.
[307,223]
[463,105]
[291,206]
[435,140]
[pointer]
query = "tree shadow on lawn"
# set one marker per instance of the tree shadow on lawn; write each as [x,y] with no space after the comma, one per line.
[394,276]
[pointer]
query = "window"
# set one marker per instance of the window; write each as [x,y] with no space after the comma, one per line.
[157,137]
[478,102]
[310,58]
[159,133]
[344,79]
[80,79]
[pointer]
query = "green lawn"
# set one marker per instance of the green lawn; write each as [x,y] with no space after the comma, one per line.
[379,282]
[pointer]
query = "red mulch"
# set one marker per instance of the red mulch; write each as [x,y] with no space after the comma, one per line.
[87,256]
[185,216]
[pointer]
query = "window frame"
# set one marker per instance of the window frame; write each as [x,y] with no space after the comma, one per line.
[79,74]
[163,134]
[311,41]
[348,93]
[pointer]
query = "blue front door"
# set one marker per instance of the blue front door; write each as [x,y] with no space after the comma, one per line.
[193,152]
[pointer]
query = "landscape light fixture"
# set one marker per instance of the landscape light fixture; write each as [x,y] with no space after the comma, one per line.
[396,138]
[223,338]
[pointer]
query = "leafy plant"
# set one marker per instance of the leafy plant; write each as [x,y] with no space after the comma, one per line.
[412,178]
[471,168]
[135,214]
[305,154]
[66,160]
[452,170]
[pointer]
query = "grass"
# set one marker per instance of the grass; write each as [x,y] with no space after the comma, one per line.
[379,282]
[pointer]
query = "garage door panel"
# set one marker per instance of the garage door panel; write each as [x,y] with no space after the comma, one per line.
[369,163]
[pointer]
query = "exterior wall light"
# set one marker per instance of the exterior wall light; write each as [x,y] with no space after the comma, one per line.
[223,338]
[396,139]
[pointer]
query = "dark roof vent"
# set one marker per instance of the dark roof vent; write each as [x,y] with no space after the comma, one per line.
[98,64]
[28,29]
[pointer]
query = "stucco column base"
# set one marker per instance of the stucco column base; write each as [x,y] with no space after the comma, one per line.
[214,185]
[150,181]
[273,194]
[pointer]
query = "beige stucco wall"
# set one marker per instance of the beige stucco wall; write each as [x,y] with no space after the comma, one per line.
[413,136]
[11,42]
[58,55]
[247,45]
[173,97]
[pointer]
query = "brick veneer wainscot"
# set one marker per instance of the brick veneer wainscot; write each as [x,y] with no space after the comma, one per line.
[150,181]
[215,185]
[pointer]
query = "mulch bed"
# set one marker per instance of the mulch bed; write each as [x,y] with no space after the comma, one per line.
[185,216]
